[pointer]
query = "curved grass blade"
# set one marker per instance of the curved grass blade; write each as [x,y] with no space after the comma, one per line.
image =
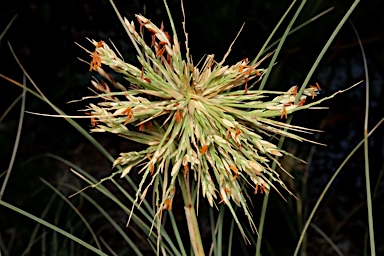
[75,210]
[33,238]
[269,47]
[325,48]
[112,221]
[282,40]
[10,107]
[54,248]
[263,48]
[8,26]
[106,192]
[95,181]
[309,75]
[41,96]
[53,227]
[366,155]
[18,134]
[333,245]
[113,253]
[137,220]
[329,184]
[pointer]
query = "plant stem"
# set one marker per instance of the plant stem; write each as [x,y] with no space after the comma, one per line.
[190,214]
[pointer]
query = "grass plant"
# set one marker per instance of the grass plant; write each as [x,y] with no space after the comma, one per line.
[208,132]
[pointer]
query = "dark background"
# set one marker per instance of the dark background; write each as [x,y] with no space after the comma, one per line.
[43,37]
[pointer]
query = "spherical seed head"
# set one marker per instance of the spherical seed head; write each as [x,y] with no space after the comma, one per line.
[205,121]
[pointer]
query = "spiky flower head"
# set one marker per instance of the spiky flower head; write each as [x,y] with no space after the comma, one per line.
[202,121]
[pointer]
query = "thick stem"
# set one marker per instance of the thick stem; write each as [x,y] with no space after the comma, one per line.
[194,232]
[190,214]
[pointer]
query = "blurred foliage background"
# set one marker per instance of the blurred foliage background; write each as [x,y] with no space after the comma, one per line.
[43,37]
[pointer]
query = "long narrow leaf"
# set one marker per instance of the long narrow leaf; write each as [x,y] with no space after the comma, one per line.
[329,184]
[53,227]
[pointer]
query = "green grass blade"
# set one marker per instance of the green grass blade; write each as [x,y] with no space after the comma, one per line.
[177,234]
[43,243]
[53,227]
[325,48]
[282,40]
[94,181]
[132,200]
[366,155]
[265,201]
[263,48]
[18,134]
[213,232]
[267,49]
[309,75]
[230,238]
[75,210]
[139,222]
[41,96]
[329,184]
[107,193]
[220,230]
[8,26]
[326,238]
[113,223]
[144,227]
[10,107]
[113,253]
[150,219]
[33,239]
[54,248]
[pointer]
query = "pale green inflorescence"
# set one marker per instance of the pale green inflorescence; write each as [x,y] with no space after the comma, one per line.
[200,120]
